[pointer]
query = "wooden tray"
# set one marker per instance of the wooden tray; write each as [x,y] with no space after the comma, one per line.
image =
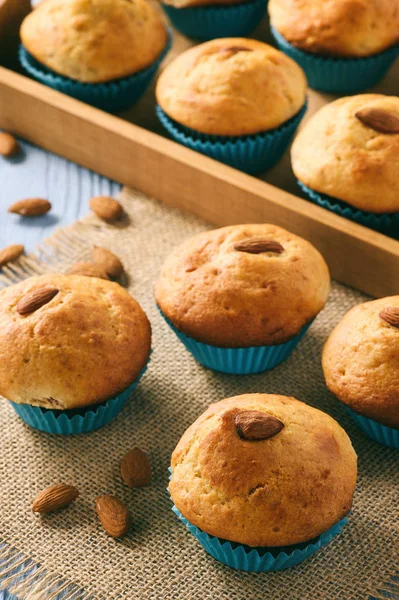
[132,149]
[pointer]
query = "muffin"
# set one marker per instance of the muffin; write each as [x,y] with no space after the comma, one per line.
[71,350]
[209,19]
[104,52]
[263,481]
[236,100]
[240,298]
[346,159]
[343,46]
[361,367]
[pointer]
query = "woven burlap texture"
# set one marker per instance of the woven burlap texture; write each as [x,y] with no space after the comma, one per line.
[159,559]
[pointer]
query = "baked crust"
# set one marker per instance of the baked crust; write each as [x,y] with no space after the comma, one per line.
[345,28]
[86,345]
[336,154]
[361,362]
[227,298]
[232,87]
[275,492]
[94,41]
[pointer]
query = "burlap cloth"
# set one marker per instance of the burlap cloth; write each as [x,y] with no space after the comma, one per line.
[160,559]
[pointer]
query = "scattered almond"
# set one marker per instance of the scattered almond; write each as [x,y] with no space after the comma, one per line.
[390,315]
[258,246]
[54,497]
[30,207]
[8,145]
[108,261]
[379,119]
[114,515]
[135,468]
[106,208]
[253,425]
[10,253]
[234,50]
[35,300]
[88,269]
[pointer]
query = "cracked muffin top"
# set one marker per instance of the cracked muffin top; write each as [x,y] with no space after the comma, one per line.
[232,87]
[68,341]
[350,150]
[346,28]
[264,470]
[243,285]
[94,41]
[361,360]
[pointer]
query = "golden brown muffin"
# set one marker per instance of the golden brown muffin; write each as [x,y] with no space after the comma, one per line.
[94,41]
[361,360]
[346,28]
[338,154]
[231,86]
[216,289]
[278,491]
[85,345]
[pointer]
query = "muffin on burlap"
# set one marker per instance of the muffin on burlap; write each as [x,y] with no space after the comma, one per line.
[236,100]
[209,19]
[343,46]
[346,159]
[263,481]
[71,351]
[361,367]
[104,52]
[241,298]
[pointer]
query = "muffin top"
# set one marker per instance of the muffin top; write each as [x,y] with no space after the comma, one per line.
[87,342]
[94,41]
[350,150]
[232,87]
[243,285]
[346,28]
[361,360]
[263,470]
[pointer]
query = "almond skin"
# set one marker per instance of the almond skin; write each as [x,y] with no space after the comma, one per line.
[379,119]
[114,515]
[135,468]
[30,207]
[10,253]
[258,246]
[106,208]
[253,425]
[88,270]
[54,497]
[35,300]
[8,145]
[390,315]
[108,261]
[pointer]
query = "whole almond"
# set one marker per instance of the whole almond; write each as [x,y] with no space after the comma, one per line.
[135,468]
[35,300]
[106,208]
[234,50]
[253,425]
[54,497]
[30,207]
[379,119]
[258,246]
[8,145]
[390,315]
[88,269]
[114,515]
[108,261]
[10,253]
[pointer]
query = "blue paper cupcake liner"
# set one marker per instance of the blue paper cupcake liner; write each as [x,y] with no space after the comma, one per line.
[68,422]
[114,96]
[339,75]
[384,223]
[376,431]
[210,22]
[238,361]
[251,154]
